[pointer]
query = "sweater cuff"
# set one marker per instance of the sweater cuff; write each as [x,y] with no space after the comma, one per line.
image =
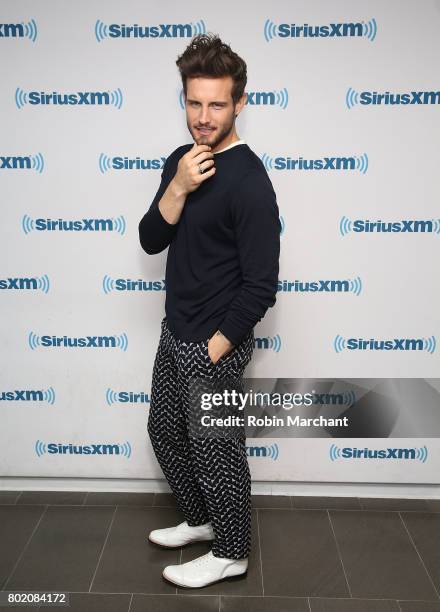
[233,333]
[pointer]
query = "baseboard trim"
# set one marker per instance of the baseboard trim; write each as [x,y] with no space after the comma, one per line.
[319,489]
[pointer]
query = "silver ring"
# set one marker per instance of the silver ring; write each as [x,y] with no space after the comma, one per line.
[200,169]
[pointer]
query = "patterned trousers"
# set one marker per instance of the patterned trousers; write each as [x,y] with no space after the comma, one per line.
[209,476]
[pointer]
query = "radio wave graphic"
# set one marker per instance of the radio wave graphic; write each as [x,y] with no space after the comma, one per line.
[369,29]
[351,98]
[116,98]
[362,163]
[122,341]
[119,223]
[20,97]
[30,30]
[49,395]
[269,30]
[344,226]
[111,397]
[198,27]
[107,284]
[104,163]
[101,30]
[267,161]
[33,340]
[356,285]
[339,343]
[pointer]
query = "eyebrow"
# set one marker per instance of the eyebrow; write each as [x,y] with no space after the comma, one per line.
[214,102]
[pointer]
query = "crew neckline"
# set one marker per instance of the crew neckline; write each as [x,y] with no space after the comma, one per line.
[237,142]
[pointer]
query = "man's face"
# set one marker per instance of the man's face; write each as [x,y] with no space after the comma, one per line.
[209,105]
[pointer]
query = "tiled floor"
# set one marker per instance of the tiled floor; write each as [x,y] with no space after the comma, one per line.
[309,554]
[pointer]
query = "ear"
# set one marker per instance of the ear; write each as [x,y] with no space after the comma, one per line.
[241,102]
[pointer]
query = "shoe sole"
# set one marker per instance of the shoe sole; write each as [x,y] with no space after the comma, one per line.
[186,586]
[179,545]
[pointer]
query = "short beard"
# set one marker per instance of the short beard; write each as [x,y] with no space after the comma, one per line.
[220,135]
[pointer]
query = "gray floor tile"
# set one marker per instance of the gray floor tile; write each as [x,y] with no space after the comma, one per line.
[299,554]
[375,503]
[353,605]
[64,549]
[9,497]
[424,528]
[378,556]
[433,505]
[174,603]
[419,606]
[52,497]
[271,501]
[99,498]
[16,526]
[164,499]
[130,562]
[264,604]
[248,584]
[93,602]
[305,501]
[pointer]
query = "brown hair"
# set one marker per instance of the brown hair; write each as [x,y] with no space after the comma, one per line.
[207,56]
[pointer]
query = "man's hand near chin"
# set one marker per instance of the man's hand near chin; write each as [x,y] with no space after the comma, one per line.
[218,345]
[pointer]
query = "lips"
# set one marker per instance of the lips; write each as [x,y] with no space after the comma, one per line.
[205,131]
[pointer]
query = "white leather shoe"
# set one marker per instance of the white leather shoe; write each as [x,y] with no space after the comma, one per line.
[204,570]
[174,537]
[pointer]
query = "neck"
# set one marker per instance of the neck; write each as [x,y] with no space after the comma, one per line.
[226,142]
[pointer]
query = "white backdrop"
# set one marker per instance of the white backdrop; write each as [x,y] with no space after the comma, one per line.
[96,161]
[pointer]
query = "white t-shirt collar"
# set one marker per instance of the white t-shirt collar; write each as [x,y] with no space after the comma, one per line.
[237,142]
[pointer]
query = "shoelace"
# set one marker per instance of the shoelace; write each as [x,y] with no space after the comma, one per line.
[203,559]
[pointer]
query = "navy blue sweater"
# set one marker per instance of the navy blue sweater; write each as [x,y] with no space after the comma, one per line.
[223,258]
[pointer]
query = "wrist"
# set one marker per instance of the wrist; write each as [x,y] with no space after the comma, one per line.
[176,189]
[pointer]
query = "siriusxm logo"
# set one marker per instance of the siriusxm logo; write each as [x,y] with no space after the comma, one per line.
[359,163]
[404,226]
[80,225]
[126,397]
[348,398]
[22,162]
[55,448]
[360,29]
[263,452]
[77,98]
[346,452]
[26,283]
[257,98]
[19,30]
[321,286]
[36,341]
[282,224]
[272,343]
[396,344]
[373,98]
[117,162]
[29,395]
[126,284]
[162,30]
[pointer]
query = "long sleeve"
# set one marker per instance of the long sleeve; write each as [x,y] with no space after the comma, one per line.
[257,226]
[155,233]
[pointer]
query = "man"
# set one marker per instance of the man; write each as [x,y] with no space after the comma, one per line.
[216,210]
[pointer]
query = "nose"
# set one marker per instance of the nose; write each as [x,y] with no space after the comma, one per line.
[204,116]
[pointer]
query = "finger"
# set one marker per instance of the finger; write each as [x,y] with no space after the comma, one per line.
[199,157]
[196,149]
[207,174]
[205,165]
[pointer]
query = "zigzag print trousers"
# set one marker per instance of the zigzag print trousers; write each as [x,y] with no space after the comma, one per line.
[209,476]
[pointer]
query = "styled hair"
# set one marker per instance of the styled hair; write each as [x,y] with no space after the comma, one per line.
[207,56]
